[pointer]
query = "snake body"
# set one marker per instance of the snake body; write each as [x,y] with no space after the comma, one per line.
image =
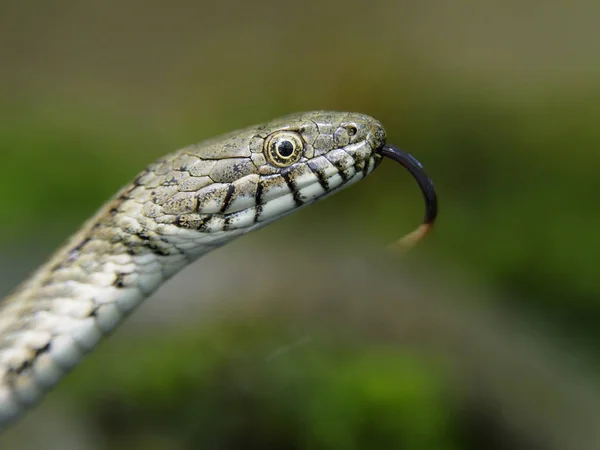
[179,208]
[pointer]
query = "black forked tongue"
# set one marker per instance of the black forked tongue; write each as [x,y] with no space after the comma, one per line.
[431,205]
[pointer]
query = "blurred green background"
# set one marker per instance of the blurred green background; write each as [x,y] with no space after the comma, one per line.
[485,336]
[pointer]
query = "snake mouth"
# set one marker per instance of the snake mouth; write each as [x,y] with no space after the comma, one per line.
[418,172]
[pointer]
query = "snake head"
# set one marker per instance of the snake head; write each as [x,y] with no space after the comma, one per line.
[305,157]
[245,179]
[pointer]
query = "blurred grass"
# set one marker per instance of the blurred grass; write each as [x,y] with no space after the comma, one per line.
[239,392]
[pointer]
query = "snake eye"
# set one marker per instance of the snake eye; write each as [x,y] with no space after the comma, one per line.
[283,148]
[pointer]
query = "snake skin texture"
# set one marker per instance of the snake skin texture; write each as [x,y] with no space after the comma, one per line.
[180,207]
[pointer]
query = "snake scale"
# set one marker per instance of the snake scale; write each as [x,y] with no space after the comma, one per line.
[179,208]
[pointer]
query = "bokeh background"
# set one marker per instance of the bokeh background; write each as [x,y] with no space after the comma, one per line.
[485,336]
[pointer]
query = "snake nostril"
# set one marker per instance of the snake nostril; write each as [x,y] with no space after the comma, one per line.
[352,130]
[377,135]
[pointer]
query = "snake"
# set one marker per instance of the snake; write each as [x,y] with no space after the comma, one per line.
[180,207]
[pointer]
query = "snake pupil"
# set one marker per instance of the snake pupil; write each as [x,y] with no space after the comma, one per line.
[285,149]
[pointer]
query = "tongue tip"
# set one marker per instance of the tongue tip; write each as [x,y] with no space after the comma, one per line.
[411,239]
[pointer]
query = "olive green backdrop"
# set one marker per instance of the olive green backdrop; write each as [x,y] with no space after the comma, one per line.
[500,101]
